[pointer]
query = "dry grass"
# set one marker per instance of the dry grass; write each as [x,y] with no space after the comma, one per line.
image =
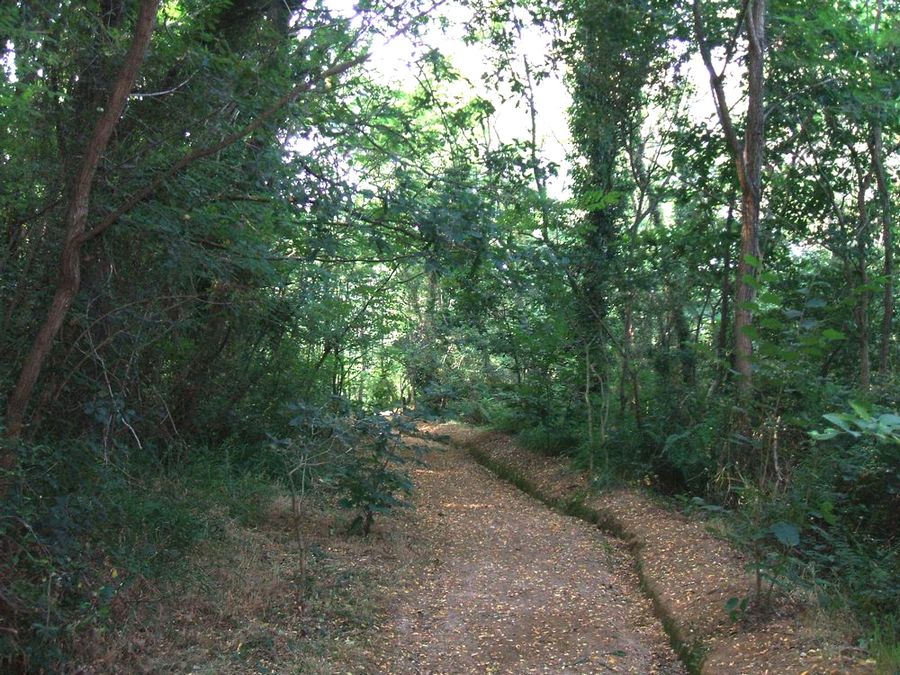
[255,602]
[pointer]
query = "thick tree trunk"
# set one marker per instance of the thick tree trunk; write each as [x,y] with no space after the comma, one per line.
[76,221]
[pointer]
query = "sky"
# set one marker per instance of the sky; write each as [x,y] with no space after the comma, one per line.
[391,62]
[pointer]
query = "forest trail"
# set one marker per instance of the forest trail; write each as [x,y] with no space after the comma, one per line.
[690,571]
[502,584]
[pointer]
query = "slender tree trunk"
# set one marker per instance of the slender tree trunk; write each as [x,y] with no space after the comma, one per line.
[862,306]
[76,222]
[748,157]
[636,401]
[628,339]
[750,171]
[540,180]
[876,148]
[589,408]
[725,300]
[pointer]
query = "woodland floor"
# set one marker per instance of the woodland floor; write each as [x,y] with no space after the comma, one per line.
[477,578]
[504,585]
[689,570]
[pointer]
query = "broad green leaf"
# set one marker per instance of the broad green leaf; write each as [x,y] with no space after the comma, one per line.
[838,419]
[860,410]
[750,281]
[889,420]
[787,534]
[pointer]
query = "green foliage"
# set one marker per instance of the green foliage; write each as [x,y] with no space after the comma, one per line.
[551,441]
[368,248]
[360,456]
[84,529]
[884,642]
[372,482]
[861,423]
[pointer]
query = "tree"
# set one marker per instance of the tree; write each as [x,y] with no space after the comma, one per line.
[747,154]
[77,231]
[76,221]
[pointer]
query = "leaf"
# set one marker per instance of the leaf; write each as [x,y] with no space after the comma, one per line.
[861,410]
[750,332]
[827,509]
[832,334]
[751,260]
[597,200]
[750,280]
[786,533]
[889,420]
[838,420]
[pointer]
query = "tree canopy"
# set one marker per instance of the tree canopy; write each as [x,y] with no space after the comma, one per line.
[225,232]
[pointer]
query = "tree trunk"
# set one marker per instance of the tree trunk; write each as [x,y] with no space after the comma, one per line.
[862,305]
[725,301]
[76,222]
[627,340]
[589,408]
[876,149]
[750,173]
[748,157]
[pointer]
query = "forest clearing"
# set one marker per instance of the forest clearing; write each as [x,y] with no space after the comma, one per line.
[449,336]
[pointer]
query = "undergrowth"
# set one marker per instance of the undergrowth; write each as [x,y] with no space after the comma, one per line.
[84,531]
[94,539]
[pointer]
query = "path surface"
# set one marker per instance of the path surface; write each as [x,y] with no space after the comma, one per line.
[692,573]
[501,584]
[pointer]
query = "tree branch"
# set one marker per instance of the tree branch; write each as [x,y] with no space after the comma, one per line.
[715,82]
[228,140]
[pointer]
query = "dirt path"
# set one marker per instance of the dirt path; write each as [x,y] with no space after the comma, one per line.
[501,584]
[690,571]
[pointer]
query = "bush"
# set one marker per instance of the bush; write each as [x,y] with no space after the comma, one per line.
[360,455]
[551,441]
[82,525]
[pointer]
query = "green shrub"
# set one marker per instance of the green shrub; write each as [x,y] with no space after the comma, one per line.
[82,524]
[551,441]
